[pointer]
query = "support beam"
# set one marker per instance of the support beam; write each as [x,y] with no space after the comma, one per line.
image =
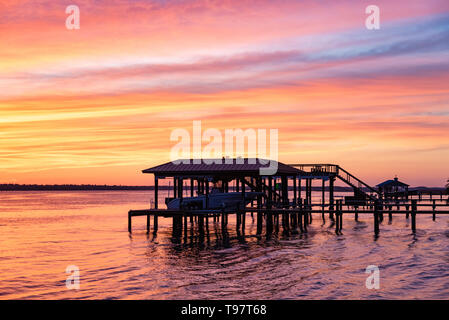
[175,187]
[259,222]
[323,197]
[243,191]
[284,188]
[433,208]
[180,188]
[156,193]
[414,207]
[294,192]
[155,223]
[376,217]
[331,197]
[270,192]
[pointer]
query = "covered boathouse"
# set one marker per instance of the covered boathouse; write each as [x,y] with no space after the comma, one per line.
[196,177]
[393,189]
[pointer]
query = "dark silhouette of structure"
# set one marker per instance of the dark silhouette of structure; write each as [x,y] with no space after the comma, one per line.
[393,189]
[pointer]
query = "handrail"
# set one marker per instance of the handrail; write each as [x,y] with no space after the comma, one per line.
[328,168]
[340,173]
[359,181]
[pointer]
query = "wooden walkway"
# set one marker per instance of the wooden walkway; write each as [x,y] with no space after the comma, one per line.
[297,217]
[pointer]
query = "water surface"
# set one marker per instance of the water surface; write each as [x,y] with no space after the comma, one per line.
[43,232]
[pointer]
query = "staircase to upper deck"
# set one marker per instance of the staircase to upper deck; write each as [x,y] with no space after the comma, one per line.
[333,170]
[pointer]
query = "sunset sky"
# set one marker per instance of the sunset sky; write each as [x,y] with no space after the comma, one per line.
[98,104]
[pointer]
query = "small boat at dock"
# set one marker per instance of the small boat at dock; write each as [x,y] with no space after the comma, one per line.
[226,201]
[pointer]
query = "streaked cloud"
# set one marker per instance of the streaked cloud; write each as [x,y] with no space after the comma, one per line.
[81,106]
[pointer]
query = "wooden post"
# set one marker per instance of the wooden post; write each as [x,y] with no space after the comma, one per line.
[284,189]
[339,217]
[259,222]
[323,198]
[259,198]
[337,220]
[390,215]
[192,186]
[376,217]
[155,224]
[294,192]
[294,220]
[270,193]
[331,197]
[201,224]
[207,193]
[238,218]
[299,187]
[148,223]
[407,207]
[156,196]
[269,223]
[305,214]
[175,187]
[306,196]
[223,221]
[310,191]
[433,208]
[300,214]
[180,188]
[129,222]
[243,192]
[414,207]
[310,203]
[341,214]
[285,222]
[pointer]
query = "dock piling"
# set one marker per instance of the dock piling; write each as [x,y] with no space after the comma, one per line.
[413,216]
[433,209]
[376,218]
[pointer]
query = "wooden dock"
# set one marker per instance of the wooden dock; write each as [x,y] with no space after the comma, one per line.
[296,218]
[274,201]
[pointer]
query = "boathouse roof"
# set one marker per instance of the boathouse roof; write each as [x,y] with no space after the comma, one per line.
[392,183]
[239,166]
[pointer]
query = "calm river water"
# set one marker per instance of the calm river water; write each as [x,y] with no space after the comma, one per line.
[44,232]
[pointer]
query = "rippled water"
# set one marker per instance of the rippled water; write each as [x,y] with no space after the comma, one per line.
[43,232]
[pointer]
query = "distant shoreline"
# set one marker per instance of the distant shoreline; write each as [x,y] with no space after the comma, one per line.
[71,187]
[89,187]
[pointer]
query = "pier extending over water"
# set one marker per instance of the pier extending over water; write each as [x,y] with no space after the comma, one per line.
[283,199]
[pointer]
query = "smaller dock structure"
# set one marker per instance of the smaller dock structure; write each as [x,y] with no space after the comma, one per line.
[204,189]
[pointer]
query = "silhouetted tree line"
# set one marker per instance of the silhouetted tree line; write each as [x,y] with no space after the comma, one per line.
[68,187]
